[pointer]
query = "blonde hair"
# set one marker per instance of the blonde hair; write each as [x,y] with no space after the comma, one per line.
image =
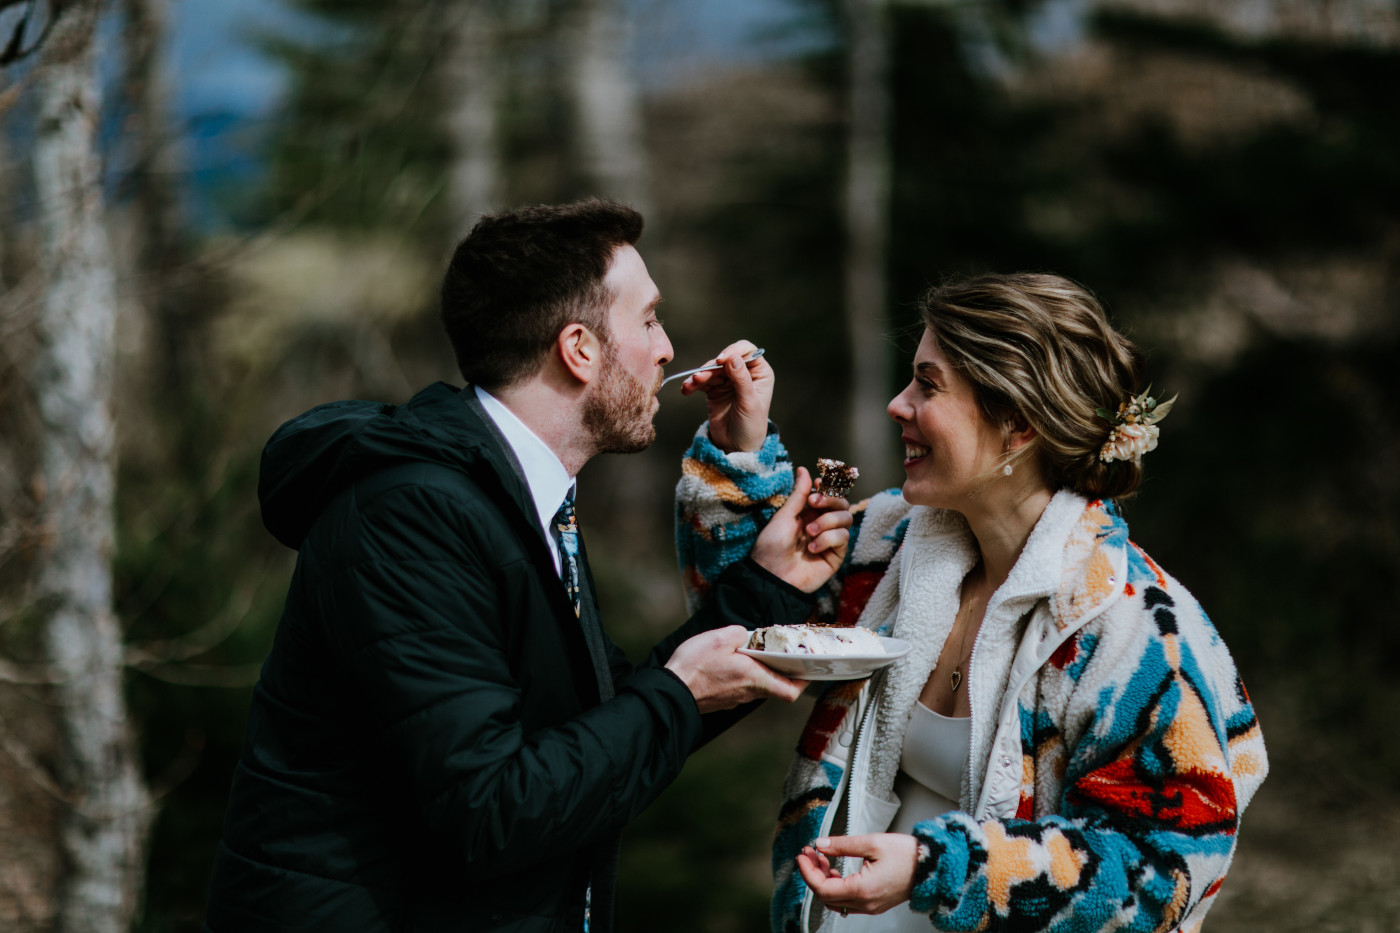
[1041,346]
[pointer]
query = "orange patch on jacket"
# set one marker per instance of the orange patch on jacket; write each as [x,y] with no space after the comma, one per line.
[1010,861]
[1244,752]
[1066,862]
[720,486]
[1190,738]
[1015,860]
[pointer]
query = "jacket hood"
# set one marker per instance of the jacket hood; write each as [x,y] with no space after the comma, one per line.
[312,458]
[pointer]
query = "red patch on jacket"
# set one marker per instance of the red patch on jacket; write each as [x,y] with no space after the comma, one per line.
[1025,810]
[1065,654]
[855,593]
[826,719]
[1186,801]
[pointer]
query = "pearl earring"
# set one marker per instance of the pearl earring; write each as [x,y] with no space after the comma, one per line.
[1006,470]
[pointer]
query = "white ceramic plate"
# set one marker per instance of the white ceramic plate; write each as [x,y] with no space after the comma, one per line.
[832,666]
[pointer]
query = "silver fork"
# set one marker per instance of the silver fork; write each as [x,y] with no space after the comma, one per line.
[704,369]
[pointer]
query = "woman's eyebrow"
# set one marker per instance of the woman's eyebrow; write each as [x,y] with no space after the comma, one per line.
[928,367]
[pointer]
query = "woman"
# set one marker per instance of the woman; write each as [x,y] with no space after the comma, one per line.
[1068,745]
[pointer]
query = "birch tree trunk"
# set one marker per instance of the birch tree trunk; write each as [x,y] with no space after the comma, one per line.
[471,75]
[104,838]
[867,211]
[606,105]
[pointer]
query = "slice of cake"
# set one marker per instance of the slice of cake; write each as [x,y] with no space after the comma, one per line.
[834,478]
[816,639]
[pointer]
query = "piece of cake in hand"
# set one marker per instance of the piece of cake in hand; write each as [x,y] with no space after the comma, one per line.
[834,478]
[816,639]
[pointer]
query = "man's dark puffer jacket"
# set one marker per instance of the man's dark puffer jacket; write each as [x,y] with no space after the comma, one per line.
[437,742]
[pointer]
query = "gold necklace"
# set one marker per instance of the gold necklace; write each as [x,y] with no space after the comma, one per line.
[955,679]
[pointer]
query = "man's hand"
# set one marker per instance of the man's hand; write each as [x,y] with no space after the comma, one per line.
[738,398]
[885,879]
[805,540]
[721,678]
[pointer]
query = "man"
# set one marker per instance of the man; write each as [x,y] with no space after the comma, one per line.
[443,737]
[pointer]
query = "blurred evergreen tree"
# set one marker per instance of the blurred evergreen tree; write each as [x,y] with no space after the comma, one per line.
[1274,496]
[361,143]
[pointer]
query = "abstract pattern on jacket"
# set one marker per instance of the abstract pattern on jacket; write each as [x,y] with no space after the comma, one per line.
[1139,745]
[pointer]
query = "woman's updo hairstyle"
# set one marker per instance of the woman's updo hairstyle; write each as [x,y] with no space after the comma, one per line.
[1041,347]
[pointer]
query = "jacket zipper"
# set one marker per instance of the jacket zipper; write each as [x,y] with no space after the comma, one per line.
[864,711]
[978,807]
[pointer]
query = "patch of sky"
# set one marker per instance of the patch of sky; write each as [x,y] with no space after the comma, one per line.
[218,52]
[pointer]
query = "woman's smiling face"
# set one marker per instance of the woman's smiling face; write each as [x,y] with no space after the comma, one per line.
[950,448]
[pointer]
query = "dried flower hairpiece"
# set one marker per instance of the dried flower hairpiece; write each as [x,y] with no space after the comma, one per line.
[1134,427]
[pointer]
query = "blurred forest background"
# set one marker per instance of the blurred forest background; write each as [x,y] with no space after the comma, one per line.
[179,274]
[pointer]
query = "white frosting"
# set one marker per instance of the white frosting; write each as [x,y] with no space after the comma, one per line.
[816,639]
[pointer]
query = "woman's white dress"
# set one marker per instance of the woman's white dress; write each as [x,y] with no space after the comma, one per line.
[931,767]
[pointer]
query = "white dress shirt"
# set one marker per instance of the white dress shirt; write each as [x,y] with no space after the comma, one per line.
[545,475]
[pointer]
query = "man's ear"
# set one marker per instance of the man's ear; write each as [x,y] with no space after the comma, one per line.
[581,352]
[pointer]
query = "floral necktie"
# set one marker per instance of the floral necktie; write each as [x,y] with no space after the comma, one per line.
[566,534]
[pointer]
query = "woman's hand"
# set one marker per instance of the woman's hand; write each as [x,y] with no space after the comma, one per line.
[885,879]
[805,540]
[738,398]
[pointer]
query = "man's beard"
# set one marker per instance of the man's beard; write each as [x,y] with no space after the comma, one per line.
[618,413]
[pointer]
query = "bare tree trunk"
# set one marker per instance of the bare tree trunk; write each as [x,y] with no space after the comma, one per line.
[867,210]
[607,108]
[471,75]
[104,838]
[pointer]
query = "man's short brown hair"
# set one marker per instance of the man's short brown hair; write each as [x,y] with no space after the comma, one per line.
[523,275]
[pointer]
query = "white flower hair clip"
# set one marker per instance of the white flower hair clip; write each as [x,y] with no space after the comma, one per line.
[1134,427]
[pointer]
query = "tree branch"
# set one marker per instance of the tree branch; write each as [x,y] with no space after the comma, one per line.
[201,675]
[14,49]
[19,753]
[207,636]
[13,673]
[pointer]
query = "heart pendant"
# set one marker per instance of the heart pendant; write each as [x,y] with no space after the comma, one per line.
[955,678]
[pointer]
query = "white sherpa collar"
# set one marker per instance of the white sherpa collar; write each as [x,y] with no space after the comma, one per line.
[937,553]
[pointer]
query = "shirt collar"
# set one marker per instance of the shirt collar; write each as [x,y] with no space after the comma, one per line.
[549,482]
